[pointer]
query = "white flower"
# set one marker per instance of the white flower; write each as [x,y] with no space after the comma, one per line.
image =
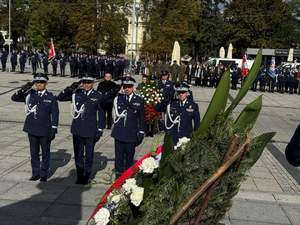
[182,142]
[137,195]
[129,185]
[148,165]
[114,198]
[102,217]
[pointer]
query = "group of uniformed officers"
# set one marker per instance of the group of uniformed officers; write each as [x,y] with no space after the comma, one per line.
[92,112]
[80,63]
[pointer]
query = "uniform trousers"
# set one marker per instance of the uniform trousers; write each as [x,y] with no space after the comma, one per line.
[84,154]
[37,142]
[107,108]
[124,156]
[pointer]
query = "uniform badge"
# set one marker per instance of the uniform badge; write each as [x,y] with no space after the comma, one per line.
[137,104]
[46,100]
[94,99]
[190,109]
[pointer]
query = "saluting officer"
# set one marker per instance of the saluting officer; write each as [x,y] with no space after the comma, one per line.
[86,127]
[129,125]
[182,115]
[41,123]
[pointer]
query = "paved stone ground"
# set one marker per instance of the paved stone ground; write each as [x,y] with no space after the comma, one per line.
[270,195]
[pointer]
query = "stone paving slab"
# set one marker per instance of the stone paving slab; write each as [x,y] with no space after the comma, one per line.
[258,212]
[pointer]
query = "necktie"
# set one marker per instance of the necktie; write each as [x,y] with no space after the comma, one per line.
[127,98]
[40,94]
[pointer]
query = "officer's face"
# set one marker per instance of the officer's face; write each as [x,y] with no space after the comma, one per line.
[40,86]
[128,89]
[182,95]
[164,77]
[87,85]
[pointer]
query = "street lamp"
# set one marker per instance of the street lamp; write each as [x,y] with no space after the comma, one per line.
[9,31]
[133,30]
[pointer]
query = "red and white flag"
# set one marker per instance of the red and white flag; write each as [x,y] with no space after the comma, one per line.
[245,69]
[51,51]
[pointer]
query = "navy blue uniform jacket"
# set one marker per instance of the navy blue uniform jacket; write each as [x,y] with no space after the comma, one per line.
[126,128]
[45,117]
[181,121]
[87,123]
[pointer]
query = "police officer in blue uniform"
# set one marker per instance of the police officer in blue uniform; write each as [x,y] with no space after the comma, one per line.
[166,86]
[86,128]
[182,116]
[41,122]
[129,125]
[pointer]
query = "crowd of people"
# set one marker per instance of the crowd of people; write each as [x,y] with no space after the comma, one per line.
[80,64]
[280,79]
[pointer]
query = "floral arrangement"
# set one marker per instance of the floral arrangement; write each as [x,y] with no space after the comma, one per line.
[125,191]
[163,188]
[151,95]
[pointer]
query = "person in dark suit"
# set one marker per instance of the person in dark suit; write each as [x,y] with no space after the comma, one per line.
[54,63]
[129,125]
[62,64]
[22,60]
[87,125]
[41,123]
[34,62]
[190,72]
[182,116]
[14,60]
[45,63]
[3,58]
[104,87]
[292,151]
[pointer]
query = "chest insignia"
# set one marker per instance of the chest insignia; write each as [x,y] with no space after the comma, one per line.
[190,109]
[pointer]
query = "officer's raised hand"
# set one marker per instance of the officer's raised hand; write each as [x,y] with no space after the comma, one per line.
[75,85]
[52,134]
[27,86]
[140,138]
[98,135]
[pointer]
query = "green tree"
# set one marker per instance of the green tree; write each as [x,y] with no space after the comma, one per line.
[256,23]
[169,21]
[100,24]
[50,20]
[208,35]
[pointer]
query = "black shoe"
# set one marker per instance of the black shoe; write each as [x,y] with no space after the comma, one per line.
[43,179]
[34,178]
[79,181]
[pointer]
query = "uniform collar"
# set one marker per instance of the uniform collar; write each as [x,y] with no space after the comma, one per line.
[130,96]
[41,93]
[88,92]
[183,102]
